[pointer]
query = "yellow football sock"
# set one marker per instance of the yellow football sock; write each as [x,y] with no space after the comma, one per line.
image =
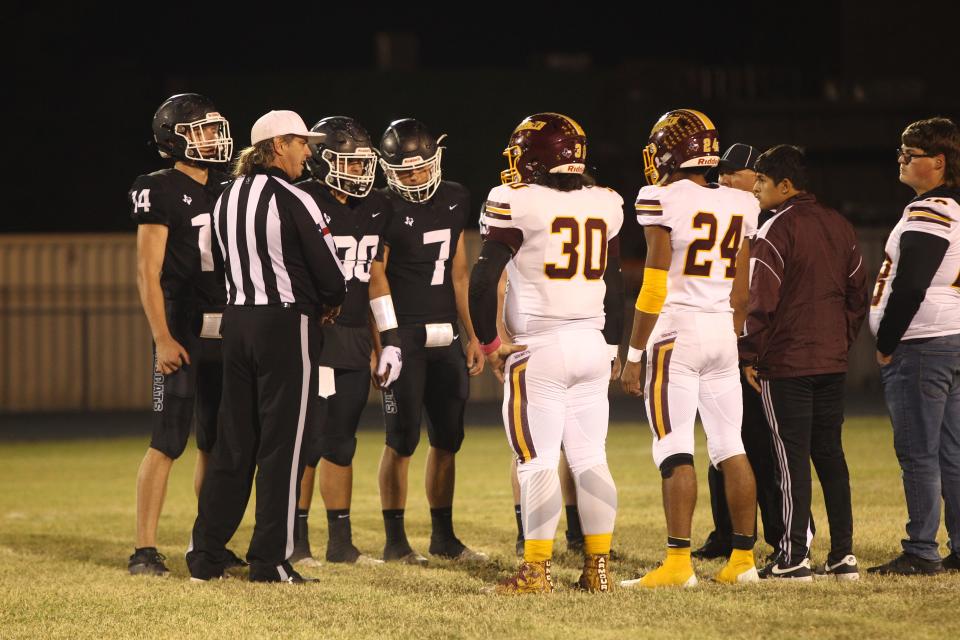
[677,557]
[739,568]
[597,544]
[741,557]
[675,571]
[537,550]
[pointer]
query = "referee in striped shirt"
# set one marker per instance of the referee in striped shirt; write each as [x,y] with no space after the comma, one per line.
[283,277]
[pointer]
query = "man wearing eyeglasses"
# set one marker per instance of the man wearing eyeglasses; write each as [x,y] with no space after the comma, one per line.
[915,315]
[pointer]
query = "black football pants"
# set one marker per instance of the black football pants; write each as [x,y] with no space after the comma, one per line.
[270,397]
[756,442]
[805,416]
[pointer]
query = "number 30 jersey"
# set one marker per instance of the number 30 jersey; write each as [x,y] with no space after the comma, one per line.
[560,241]
[423,241]
[707,226]
[192,270]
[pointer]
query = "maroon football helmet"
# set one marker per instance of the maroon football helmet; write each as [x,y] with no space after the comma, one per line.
[680,139]
[544,143]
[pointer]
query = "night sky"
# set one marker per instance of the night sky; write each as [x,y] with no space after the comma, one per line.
[84,86]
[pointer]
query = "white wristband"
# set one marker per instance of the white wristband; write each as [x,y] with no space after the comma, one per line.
[613,350]
[634,355]
[383,313]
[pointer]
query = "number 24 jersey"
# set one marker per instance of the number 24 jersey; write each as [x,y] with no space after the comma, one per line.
[707,225]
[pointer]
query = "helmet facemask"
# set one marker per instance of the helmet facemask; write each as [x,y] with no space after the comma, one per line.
[199,146]
[340,178]
[511,174]
[414,192]
[650,169]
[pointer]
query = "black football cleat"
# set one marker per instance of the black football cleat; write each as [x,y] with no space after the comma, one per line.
[147,562]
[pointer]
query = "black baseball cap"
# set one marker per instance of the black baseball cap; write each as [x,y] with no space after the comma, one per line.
[738,156]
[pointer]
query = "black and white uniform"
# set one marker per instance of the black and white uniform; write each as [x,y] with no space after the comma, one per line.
[192,281]
[422,238]
[357,227]
[281,269]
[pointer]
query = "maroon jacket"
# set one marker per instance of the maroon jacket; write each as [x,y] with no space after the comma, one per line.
[808,292]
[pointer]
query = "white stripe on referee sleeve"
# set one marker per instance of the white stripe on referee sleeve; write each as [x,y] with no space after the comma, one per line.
[275,249]
[236,268]
[223,250]
[256,269]
[311,205]
[301,420]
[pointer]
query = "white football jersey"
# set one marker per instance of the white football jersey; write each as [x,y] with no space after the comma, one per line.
[555,278]
[707,226]
[939,313]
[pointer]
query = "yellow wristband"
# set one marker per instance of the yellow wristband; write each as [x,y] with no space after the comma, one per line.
[653,292]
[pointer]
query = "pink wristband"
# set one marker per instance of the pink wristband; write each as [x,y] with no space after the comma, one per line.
[490,347]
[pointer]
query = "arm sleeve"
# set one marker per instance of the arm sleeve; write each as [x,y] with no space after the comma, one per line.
[766,275]
[856,294]
[484,279]
[920,258]
[613,300]
[497,221]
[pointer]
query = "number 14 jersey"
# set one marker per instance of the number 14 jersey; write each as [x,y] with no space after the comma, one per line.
[707,225]
[560,244]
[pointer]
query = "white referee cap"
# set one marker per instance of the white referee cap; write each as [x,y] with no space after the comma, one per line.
[282,123]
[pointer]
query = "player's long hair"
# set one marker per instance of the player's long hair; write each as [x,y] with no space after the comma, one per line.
[257,157]
[937,135]
[561,181]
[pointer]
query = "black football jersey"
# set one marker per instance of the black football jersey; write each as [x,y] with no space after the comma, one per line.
[357,230]
[423,240]
[192,266]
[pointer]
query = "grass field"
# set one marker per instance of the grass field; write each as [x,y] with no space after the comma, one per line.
[67,520]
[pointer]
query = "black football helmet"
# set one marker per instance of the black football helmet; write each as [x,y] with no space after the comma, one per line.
[544,143]
[347,142]
[406,149]
[183,126]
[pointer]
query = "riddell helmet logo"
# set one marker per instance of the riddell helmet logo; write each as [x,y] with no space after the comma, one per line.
[666,122]
[534,125]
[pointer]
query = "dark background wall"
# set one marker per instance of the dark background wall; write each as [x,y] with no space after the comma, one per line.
[838,78]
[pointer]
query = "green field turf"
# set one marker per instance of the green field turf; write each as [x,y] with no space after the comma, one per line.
[67,524]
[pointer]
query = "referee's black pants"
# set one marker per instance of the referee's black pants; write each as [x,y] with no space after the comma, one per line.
[270,398]
[806,415]
[759,449]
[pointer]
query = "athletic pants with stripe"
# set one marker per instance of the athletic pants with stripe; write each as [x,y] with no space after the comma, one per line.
[805,416]
[556,393]
[270,396]
[691,368]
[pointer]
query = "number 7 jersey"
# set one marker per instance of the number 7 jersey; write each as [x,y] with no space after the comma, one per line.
[560,244]
[707,226]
